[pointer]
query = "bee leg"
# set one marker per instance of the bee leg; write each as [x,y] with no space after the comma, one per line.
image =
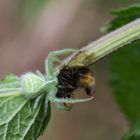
[90,91]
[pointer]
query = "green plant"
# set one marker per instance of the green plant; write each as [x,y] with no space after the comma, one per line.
[25,110]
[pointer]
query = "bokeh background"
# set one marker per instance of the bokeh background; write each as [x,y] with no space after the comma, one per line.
[29,29]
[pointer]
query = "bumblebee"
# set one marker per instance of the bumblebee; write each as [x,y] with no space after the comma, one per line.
[72,78]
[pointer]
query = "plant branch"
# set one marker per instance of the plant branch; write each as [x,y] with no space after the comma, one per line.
[105,45]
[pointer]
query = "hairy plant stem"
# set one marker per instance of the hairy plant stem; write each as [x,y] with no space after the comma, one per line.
[106,44]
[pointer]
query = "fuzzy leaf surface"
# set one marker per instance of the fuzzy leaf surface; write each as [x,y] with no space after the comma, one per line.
[20,118]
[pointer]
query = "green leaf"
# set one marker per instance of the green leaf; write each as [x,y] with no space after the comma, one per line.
[20,118]
[9,78]
[125,80]
[123,16]
[134,133]
[9,81]
[125,68]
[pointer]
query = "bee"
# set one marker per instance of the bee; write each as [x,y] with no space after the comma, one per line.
[72,78]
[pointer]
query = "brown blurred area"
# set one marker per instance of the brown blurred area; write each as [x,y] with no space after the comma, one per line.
[25,43]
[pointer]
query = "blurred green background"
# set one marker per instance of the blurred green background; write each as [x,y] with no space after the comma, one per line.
[29,29]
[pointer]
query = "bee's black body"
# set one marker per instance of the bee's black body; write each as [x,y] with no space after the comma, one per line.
[71,78]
